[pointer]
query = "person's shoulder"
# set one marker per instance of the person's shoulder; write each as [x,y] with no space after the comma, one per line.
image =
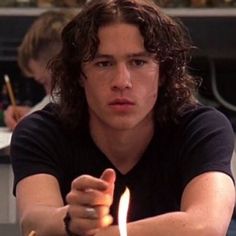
[202,117]
[202,112]
[40,105]
[46,117]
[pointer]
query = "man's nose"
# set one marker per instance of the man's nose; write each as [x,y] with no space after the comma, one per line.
[122,77]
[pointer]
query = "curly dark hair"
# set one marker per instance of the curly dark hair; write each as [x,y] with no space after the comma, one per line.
[164,37]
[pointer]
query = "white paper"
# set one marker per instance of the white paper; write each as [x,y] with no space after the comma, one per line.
[5,137]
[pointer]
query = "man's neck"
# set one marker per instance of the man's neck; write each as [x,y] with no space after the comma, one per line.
[123,148]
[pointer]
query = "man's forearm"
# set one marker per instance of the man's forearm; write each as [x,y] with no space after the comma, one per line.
[44,221]
[170,224]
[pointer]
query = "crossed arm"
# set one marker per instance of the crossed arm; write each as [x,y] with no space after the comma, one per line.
[206,207]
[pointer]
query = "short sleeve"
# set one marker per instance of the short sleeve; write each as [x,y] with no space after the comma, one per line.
[208,144]
[35,147]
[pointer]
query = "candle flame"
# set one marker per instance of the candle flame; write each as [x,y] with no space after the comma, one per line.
[122,212]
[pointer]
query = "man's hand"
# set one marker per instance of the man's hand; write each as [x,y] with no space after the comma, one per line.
[89,202]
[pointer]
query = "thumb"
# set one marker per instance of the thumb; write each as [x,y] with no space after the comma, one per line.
[109,176]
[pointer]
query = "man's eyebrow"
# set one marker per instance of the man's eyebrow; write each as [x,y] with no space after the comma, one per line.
[138,54]
[99,55]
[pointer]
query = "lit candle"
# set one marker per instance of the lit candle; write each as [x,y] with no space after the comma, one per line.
[122,212]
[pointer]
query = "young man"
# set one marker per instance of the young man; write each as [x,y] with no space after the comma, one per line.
[41,42]
[127,116]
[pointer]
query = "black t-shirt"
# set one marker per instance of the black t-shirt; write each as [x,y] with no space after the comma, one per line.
[201,141]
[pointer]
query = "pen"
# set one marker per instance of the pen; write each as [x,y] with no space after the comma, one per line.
[11,95]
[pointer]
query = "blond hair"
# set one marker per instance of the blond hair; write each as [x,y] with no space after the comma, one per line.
[43,39]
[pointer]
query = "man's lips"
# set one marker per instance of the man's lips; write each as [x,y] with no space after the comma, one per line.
[122,105]
[121,101]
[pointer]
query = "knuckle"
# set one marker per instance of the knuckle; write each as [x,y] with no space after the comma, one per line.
[71,197]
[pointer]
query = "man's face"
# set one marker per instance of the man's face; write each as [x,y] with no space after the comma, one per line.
[122,80]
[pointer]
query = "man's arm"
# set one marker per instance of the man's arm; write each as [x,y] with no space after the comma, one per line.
[40,205]
[206,209]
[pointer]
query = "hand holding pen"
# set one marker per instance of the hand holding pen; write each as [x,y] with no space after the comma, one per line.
[12,110]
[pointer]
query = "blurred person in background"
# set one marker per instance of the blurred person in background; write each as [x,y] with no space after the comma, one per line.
[41,43]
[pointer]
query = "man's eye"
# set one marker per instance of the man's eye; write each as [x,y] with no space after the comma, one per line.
[138,62]
[103,63]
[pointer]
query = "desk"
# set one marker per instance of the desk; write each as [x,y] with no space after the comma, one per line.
[7,200]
